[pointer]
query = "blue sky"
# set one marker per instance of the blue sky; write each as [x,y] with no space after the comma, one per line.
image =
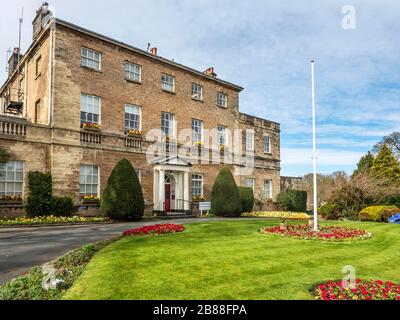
[266,46]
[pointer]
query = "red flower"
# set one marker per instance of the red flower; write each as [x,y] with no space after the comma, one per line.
[156,229]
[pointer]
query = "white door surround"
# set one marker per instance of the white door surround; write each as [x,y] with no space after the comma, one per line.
[176,170]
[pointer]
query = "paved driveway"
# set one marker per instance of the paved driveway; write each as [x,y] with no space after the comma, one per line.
[23,248]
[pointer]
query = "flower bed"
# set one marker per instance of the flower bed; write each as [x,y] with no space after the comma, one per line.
[361,290]
[278,214]
[156,229]
[330,233]
[48,220]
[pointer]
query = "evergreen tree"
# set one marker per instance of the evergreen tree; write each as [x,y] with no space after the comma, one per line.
[365,163]
[123,196]
[385,165]
[225,197]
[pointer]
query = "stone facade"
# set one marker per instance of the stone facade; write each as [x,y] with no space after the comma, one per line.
[291,183]
[47,135]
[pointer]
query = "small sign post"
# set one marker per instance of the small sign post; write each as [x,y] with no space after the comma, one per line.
[204,206]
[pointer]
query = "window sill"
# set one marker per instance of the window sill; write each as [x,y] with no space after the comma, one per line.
[91,69]
[226,108]
[133,81]
[198,100]
[170,92]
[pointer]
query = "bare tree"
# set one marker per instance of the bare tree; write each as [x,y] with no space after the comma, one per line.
[392,141]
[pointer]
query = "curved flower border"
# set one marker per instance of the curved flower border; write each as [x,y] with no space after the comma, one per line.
[326,233]
[155,230]
[361,290]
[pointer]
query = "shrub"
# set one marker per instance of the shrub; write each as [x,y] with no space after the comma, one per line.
[63,207]
[225,197]
[284,201]
[39,202]
[330,211]
[247,198]
[293,200]
[123,196]
[299,200]
[376,213]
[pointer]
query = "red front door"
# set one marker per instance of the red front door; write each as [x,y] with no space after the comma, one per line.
[167,198]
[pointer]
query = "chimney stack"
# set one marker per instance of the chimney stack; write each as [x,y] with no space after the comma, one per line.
[13,61]
[210,72]
[153,51]
[43,15]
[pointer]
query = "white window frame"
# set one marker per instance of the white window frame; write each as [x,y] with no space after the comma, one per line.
[269,194]
[89,59]
[198,178]
[250,183]
[90,108]
[171,124]
[167,82]
[197,92]
[222,136]
[133,71]
[222,100]
[250,140]
[86,184]
[14,169]
[128,109]
[269,144]
[197,125]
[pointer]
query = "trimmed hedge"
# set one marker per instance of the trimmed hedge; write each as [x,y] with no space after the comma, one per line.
[377,213]
[330,211]
[123,195]
[293,200]
[247,198]
[225,197]
[63,207]
[39,202]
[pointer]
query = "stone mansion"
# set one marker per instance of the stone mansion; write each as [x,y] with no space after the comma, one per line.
[76,102]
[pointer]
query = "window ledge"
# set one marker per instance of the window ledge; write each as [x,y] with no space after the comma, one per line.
[91,69]
[198,100]
[170,92]
[133,81]
[225,108]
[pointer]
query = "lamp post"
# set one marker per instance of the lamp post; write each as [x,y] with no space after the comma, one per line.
[314,156]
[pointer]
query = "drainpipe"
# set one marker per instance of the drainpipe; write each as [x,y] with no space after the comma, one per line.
[50,85]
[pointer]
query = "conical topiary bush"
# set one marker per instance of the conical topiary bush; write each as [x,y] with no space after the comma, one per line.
[225,197]
[123,196]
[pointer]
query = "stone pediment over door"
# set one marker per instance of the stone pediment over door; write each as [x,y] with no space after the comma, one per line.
[174,161]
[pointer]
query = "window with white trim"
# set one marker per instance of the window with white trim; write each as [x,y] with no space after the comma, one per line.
[89,180]
[197,92]
[133,72]
[267,144]
[222,135]
[11,178]
[167,82]
[222,100]
[90,59]
[250,183]
[90,109]
[197,185]
[268,188]
[133,117]
[167,124]
[249,140]
[197,130]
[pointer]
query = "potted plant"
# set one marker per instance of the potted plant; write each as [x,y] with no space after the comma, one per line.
[91,126]
[90,200]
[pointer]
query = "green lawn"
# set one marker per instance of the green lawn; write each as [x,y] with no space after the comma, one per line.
[231,260]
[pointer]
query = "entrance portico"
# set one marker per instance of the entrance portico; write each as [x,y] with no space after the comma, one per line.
[171,185]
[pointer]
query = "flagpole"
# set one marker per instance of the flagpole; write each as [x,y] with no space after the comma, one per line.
[314,156]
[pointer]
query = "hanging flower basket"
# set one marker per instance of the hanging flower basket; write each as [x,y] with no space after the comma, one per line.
[9,200]
[135,133]
[90,201]
[91,126]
